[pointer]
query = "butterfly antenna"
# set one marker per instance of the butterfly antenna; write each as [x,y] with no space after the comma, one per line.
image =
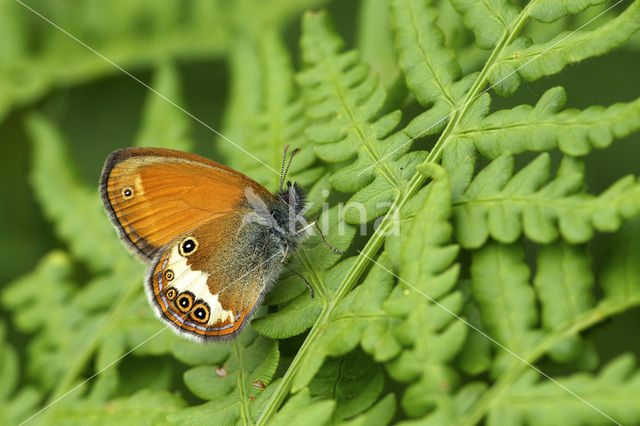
[282,172]
[294,152]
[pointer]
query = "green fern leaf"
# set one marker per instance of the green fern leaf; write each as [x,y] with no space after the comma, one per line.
[268,116]
[430,68]
[506,300]
[564,296]
[523,61]
[488,19]
[348,322]
[300,406]
[354,381]
[344,100]
[545,126]
[147,407]
[163,124]
[614,391]
[234,388]
[428,349]
[16,403]
[504,206]
[550,10]
[620,276]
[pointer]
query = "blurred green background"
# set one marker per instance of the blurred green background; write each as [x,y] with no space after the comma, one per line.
[98,108]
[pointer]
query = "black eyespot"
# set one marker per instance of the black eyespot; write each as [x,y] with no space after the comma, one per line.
[188,246]
[127,192]
[184,301]
[169,275]
[171,293]
[200,312]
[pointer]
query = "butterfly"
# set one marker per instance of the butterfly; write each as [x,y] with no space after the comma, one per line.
[215,240]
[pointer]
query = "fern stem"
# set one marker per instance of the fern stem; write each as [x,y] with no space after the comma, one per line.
[240,380]
[580,323]
[478,86]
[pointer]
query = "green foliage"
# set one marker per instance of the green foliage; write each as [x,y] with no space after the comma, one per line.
[485,262]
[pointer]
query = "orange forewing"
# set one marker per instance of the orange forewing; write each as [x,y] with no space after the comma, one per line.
[171,192]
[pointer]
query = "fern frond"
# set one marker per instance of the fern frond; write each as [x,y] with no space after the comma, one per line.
[430,68]
[564,284]
[344,99]
[148,406]
[561,339]
[301,406]
[614,391]
[348,322]
[523,61]
[503,206]
[354,381]
[505,298]
[164,125]
[233,390]
[550,10]
[430,334]
[488,19]
[546,126]
[378,415]
[265,113]
[16,402]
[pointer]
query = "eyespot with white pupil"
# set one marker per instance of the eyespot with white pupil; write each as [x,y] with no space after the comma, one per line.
[200,312]
[184,302]
[188,246]
[171,293]
[127,192]
[169,275]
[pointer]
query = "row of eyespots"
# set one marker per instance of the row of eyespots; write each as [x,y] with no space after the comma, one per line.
[198,311]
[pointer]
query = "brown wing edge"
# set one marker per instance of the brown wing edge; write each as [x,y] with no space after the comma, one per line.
[218,338]
[113,159]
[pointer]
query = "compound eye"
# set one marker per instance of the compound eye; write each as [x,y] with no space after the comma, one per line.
[200,312]
[188,246]
[171,293]
[184,301]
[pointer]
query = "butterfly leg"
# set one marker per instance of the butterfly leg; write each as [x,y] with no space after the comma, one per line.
[335,250]
[303,278]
